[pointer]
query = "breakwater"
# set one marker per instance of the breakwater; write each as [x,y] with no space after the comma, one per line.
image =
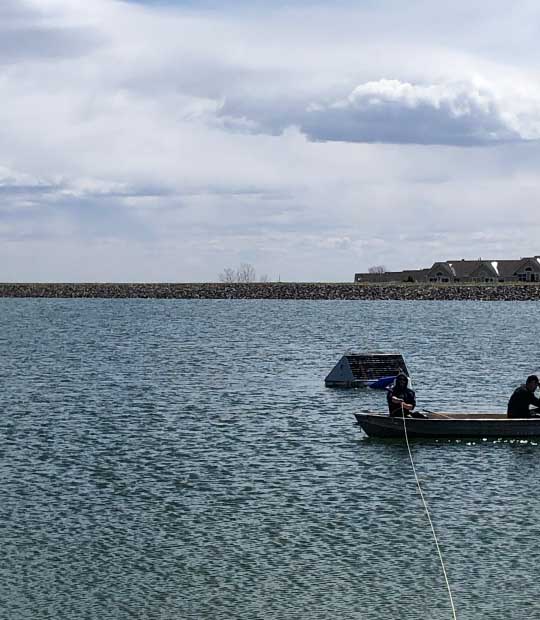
[275,290]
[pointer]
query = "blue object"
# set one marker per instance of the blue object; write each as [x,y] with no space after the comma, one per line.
[382,383]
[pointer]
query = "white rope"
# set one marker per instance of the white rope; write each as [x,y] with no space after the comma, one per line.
[428,515]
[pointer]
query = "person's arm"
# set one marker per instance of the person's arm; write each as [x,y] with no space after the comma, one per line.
[401,402]
[535,401]
[412,397]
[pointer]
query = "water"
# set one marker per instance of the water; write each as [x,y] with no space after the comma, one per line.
[183,460]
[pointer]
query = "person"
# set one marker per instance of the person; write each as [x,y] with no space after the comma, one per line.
[401,399]
[519,405]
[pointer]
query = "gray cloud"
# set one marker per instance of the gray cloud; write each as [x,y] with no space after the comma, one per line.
[391,111]
[25,190]
[397,112]
[27,32]
[37,42]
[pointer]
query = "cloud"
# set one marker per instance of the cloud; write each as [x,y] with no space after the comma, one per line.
[465,113]
[173,142]
[29,32]
[398,112]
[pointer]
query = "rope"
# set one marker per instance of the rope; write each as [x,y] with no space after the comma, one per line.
[428,515]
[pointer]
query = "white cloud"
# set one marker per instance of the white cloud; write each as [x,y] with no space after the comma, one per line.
[400,112]
[467,113]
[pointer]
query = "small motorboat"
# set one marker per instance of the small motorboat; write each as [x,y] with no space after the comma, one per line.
[459,425]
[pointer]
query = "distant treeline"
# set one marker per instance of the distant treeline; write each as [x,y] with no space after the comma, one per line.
[278,290]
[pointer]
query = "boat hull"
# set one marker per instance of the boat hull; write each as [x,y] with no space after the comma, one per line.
[449,425]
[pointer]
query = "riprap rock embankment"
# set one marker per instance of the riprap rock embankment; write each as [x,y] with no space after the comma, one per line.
[275,290]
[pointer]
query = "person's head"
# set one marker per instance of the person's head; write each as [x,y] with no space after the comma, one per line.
[532,383]
[401,381]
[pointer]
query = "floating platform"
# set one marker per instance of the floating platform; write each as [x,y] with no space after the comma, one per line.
[374,369]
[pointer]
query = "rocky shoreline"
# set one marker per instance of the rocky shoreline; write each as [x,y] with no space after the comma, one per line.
[275,290]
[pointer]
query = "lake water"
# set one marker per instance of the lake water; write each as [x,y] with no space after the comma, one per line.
[183,460]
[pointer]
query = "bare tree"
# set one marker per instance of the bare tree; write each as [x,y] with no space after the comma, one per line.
[245,273]
[377,269]
[263,278]
[228,275]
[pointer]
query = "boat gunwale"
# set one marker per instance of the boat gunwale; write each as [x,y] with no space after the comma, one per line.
[449,415]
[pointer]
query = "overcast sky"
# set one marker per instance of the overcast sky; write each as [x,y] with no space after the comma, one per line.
[165,141]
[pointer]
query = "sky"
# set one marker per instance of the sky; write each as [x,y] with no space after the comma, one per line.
[166,141]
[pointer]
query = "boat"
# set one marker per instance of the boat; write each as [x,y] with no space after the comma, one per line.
[446,424]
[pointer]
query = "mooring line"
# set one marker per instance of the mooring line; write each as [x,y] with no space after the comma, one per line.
[428,515]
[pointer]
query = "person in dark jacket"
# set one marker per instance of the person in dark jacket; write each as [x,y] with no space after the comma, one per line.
[401,399]
[519,405]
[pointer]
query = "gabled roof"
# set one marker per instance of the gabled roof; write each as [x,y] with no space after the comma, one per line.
[508,267]
[530,260]
[490,267]
[441,265]
[464,268]
[497,268]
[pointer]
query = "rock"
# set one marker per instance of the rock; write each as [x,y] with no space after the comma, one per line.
[279,290]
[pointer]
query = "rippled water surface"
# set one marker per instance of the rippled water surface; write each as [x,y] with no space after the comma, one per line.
[183,460]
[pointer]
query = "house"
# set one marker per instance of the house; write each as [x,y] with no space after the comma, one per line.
[523,270]
[410,275]
[464,271]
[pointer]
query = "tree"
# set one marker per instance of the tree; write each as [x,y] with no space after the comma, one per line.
[243,275]
[246,273]
[228,275]
[377,269]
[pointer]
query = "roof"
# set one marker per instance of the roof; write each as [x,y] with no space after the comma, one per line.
[393,276]
[501,268]
[459,269]
[508,267]
[464,268]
